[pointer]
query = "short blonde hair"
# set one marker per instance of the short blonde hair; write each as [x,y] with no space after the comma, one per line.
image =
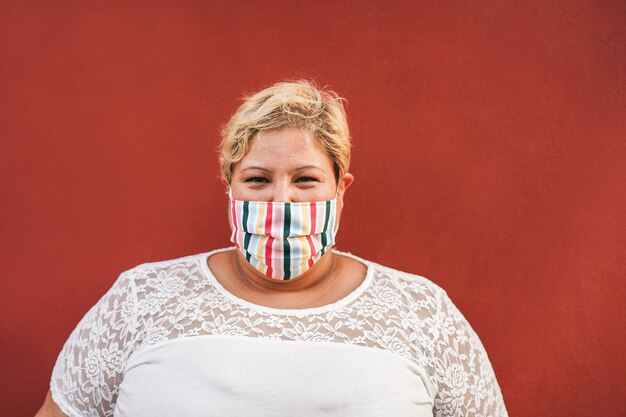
[288,104]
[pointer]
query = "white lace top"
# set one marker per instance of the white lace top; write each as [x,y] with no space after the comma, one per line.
[169,340]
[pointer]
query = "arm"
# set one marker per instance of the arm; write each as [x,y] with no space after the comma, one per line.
[467,384]
[90,366]
[49,408]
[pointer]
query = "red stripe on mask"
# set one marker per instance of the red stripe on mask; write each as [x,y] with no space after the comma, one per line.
[234,216]
[313,224]
[270,240]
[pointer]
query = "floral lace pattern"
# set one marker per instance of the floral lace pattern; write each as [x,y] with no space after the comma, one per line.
[405,314]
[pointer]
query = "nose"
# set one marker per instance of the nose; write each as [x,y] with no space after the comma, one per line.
[283,192]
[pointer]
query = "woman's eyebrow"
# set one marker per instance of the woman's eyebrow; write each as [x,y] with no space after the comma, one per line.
[308,166]
[256,167]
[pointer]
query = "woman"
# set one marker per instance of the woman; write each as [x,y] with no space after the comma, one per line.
[281,324]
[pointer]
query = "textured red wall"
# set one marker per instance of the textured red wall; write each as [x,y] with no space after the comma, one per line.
[489,157]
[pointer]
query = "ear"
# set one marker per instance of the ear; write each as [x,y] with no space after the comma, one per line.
[345,182]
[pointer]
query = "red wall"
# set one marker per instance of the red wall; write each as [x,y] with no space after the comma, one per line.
[489,157]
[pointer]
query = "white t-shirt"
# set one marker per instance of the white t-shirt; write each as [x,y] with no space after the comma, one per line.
[169,340]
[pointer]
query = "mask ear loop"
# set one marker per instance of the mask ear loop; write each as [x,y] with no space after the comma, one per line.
[336,191]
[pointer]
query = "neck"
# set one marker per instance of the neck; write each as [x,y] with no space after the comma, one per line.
[320,276]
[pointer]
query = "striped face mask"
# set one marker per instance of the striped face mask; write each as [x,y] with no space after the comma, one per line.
[282,239]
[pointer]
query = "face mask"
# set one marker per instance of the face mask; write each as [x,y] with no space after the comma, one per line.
[282,239]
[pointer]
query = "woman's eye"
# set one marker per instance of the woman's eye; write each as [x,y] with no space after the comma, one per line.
[305,179]
[257,179]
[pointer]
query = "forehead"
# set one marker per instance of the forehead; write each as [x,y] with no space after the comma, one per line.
[286,148]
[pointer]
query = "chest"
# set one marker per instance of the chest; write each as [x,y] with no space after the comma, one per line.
[244,376]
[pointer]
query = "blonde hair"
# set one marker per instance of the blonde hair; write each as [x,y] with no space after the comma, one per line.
[290,104]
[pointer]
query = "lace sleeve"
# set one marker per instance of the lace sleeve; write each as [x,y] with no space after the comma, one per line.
[89,367]
[467,385]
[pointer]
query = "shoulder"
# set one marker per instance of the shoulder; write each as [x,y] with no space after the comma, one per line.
[183,266]
[155,282]
[165,264]
[412,285]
